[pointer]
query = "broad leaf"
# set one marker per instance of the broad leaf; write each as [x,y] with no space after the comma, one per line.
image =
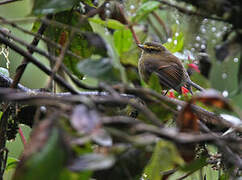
[154,83]
[101,69]
[11,163]
[52,6]
[122,40]
[44,156]
[176,44]
[165,157]
[145,9]
[109,23]
[84,120]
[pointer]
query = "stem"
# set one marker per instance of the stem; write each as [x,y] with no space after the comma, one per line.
[23,139]
[21,68]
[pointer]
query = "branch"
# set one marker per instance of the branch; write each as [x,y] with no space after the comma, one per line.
[33,60]
[8,1]
[21,68]
[204,115]
[188,12]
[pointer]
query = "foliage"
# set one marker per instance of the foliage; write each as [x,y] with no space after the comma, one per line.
[122,127]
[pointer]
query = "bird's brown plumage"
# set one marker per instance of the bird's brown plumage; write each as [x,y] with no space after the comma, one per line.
[155,58]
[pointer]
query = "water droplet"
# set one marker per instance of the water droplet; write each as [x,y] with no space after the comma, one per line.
[107,5]
[193,49]
[225,93]
[236,60]
[107,13]
[176,34]
[198,38]
[203,46]
[224,75]
[225,28]
[196,45]
[213,29]
[132,7]
[43,109]
[203,30]
[107,32]
[177,21]
[218,35]
[169,40]
[179,107]
[175,42]
[205,20]
[95,2]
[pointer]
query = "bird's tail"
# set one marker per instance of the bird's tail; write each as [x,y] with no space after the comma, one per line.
[195,86]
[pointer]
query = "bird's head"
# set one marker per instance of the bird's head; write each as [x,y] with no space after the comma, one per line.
[152,47]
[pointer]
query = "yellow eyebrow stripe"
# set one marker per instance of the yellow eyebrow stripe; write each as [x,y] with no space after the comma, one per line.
[151,47]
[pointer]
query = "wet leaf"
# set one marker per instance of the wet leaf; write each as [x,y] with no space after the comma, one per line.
[102,138]
[101,69]
[213,98]
[187,121]
[45,154]
[109,23]
[122,40]
[154,83]
[144,10]
[195,165]
[11,163]
[176,44]
[91,162]
[84,120]
[52,6]
[165,157]
[80,44]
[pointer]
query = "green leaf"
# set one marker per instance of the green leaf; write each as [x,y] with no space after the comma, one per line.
[79,44]
[165,157]
[101,69]
[176,44]
[47,162]
[52,6]
[154,83]
[145,9]
[11,163]
[122,40]
[67,174]
[109,23]
[195,165]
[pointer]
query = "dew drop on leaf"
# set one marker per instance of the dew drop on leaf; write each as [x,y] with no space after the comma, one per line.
[225,93]
[236,60]
[224,75]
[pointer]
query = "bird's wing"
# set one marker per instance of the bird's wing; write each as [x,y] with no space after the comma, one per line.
[170,75]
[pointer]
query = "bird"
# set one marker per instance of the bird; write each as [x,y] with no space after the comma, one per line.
[155,58]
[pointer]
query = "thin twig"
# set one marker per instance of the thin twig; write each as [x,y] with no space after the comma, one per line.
[33,60]
[50,58]
[130,26]
[45,39]
[162,23]
[188,12]
[8,1]
[21,68]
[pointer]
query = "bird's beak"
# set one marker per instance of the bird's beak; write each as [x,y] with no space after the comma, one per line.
[141,46]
